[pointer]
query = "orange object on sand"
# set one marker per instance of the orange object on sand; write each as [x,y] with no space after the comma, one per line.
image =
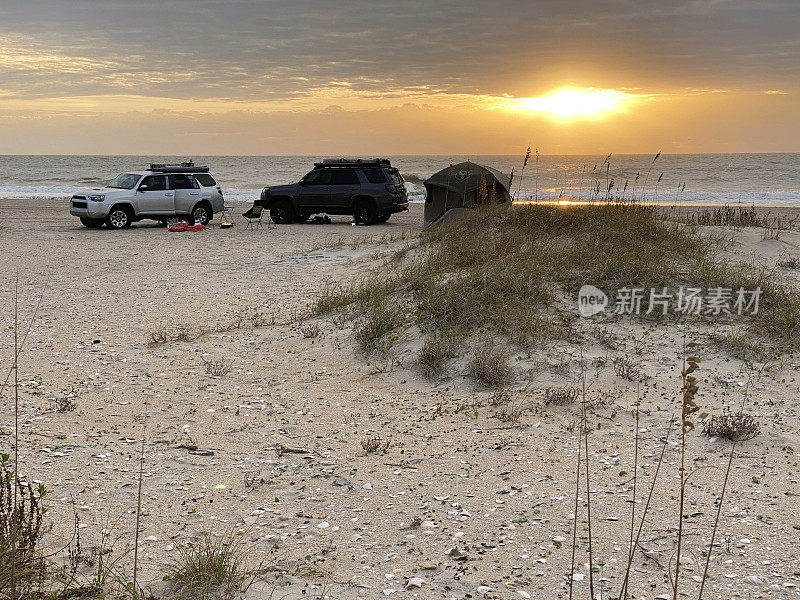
[185,227]
[182,227]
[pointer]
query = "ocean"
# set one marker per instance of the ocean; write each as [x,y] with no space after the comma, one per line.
[758,179]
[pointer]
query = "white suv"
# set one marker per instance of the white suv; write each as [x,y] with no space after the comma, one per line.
[160,192]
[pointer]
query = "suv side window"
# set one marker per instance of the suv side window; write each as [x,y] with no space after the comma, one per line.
[375,175]
[205,179]
[182,182]
[345,177]
[155,183]
[318,178]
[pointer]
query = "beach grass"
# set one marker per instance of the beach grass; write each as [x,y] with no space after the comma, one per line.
[516,272]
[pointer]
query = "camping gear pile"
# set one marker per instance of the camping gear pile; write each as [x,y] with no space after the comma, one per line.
[184,226]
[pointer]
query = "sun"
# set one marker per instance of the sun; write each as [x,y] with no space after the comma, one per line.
[568,104]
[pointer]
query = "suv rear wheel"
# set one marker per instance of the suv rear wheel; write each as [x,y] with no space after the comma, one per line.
[119,218]
[200,214]
[282,212]
[92,223]
[383,217]
[365,212]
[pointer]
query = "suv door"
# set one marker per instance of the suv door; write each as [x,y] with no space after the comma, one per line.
[187,192]
[344,185]
[153,196]
[315,190]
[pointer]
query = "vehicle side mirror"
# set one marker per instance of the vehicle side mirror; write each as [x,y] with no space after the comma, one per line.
[144,187]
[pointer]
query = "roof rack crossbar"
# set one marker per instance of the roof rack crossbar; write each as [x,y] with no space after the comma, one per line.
[184,167]
[353,162]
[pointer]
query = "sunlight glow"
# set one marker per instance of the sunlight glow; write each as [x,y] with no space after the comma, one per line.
[569,104]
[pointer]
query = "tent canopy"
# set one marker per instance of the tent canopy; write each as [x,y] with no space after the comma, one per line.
[464,185]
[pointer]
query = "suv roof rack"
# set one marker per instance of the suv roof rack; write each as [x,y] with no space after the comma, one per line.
[184,167]
[353,162]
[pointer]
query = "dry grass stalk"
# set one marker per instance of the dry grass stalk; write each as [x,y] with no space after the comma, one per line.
[721,500]
[644,185]
[575,520]
[624,591]
[688,408]
[18,345]
[631,547]
[586,464]
[136,588]
[522,173]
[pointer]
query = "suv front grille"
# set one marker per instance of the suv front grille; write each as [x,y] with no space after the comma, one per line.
[78,203]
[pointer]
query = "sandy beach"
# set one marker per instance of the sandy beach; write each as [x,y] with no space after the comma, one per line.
[459,499]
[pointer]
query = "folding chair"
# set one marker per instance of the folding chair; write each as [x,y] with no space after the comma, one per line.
[253,217]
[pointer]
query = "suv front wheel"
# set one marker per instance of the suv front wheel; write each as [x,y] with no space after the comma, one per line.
[365,212]
[282,212]
[119,218]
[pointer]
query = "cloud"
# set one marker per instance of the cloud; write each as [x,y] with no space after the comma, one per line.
[252,50]
[64,63]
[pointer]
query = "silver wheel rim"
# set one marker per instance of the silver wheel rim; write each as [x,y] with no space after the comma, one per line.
[119,218]
[200,215]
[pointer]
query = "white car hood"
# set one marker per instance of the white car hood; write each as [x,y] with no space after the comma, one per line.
[107,191]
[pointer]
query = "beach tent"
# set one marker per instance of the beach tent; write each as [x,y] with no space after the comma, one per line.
[464,185]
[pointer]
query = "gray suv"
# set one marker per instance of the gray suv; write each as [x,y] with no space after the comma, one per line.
[160,193]
[370,190]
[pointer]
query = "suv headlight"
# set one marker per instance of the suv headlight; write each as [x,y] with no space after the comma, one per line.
[97,197]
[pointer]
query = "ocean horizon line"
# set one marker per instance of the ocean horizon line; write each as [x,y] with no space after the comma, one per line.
[368,154]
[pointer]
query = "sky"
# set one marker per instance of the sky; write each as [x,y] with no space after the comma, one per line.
[373,77]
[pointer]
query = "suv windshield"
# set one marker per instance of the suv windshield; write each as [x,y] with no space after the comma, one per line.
[125,181]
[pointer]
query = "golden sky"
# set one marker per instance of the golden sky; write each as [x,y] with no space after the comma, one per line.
[413,77]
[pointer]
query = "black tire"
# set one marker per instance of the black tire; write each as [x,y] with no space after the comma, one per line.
[92,223]
[302,216]
[202,214]
[365,212]
[120,217]
[282,212]
[383,217]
